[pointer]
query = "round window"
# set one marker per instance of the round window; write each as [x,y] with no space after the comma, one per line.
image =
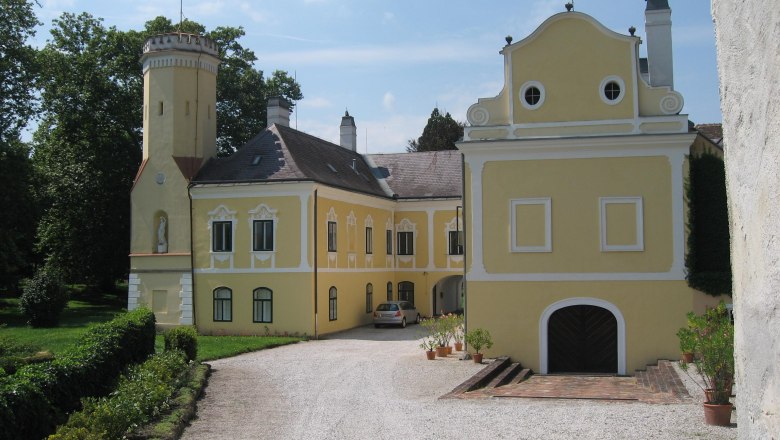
[532,95]
[612,90]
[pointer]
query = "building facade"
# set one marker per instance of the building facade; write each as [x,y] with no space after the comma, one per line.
[559,226]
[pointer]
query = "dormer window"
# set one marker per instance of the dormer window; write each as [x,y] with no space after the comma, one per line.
[256,159]
[532,95]
[612,90]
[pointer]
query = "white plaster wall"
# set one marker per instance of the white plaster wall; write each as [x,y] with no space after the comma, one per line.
[747,36]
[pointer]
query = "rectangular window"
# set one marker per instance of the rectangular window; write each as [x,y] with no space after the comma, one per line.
[332,304]
[262,305]
[222,236]
[369,240]
[331,236]
[263,235]
[389,242]
[456,242]
[369,298]
[406,243]
[223,304]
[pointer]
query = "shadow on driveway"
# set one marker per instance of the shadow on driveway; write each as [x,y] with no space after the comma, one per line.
[412,332]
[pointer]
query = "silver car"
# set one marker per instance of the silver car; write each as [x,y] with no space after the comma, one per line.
[395,313]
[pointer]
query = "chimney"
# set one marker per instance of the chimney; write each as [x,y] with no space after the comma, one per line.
[658,27]
[348,132]
[278,111]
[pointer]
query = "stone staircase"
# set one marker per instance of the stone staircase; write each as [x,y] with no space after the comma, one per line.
[502,371]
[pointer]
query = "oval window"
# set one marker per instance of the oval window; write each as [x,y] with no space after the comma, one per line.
[532,95]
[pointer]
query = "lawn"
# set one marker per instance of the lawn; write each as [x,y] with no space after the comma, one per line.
[85,309]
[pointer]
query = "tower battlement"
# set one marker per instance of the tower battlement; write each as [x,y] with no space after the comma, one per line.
[181,41]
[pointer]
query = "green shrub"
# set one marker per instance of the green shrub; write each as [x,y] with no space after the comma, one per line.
[89,368]
[144,393]
[184,339]
[43,299]
[479,338]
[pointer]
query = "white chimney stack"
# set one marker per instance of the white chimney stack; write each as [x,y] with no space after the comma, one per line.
[658,27]
[348,132]
[278,111]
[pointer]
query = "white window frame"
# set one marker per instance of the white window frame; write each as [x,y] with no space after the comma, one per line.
[640,233]
[620,82]
[547,203]
[222,214]
[527,85]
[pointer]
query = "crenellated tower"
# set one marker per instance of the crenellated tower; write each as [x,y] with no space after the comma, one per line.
[179,136]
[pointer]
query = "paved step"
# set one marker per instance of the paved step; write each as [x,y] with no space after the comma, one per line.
[521,376]
[661,378]
[505,376]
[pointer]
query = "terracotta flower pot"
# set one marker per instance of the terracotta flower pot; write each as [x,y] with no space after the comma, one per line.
[449,349]
[477,358]
[458,346]
[431,355]
[718,415]
[687,358]
[441,352]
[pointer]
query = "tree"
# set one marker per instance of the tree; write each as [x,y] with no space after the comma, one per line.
[88,147]
[440,133]
[17,104]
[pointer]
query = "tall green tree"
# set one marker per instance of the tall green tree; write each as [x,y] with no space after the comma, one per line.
[440,133]
[18,68]
[88,146]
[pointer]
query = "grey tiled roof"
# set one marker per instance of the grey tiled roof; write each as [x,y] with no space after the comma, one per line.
[713,132]
[287,154]
[420,175]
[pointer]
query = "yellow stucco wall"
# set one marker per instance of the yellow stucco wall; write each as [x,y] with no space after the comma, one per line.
[288,238]
[293,303]
[571,91]
[653,312]
[574,187]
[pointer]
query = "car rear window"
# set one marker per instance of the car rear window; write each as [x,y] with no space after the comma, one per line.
[387,307]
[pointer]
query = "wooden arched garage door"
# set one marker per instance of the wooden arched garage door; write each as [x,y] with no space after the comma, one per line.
[582,339]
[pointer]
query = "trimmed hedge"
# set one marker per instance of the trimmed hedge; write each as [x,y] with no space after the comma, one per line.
[708,260]
[184,339]
[38,397]
[44,298]
[145,392]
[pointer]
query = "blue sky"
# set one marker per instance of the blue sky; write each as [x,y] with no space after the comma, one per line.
[391,62]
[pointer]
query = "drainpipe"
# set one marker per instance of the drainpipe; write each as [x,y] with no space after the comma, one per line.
[316,330]
[465,245]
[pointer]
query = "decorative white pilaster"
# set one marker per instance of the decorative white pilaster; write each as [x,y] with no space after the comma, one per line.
[185,296]
[133,291]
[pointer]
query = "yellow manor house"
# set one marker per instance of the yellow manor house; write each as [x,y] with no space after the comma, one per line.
[559,225]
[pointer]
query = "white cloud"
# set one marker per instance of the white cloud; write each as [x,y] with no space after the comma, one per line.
[255,15]
[316,102]
[388,101]
[388,17]
[205,9]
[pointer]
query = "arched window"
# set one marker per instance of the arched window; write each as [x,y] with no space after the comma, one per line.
[389,291]
[332,304]
[262,305]
[406,291]
[223,304]
[369,298]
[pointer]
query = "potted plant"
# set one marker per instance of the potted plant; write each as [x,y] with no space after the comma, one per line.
[687,344]
[457,334]
[477,339]
[429,344]
[713,343]
[437,332]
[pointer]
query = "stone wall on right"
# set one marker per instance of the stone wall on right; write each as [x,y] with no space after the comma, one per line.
[747,35]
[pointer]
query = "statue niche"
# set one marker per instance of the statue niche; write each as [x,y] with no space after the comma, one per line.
[162,237]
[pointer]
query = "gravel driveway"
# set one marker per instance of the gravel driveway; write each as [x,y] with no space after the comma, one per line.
[376,383]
